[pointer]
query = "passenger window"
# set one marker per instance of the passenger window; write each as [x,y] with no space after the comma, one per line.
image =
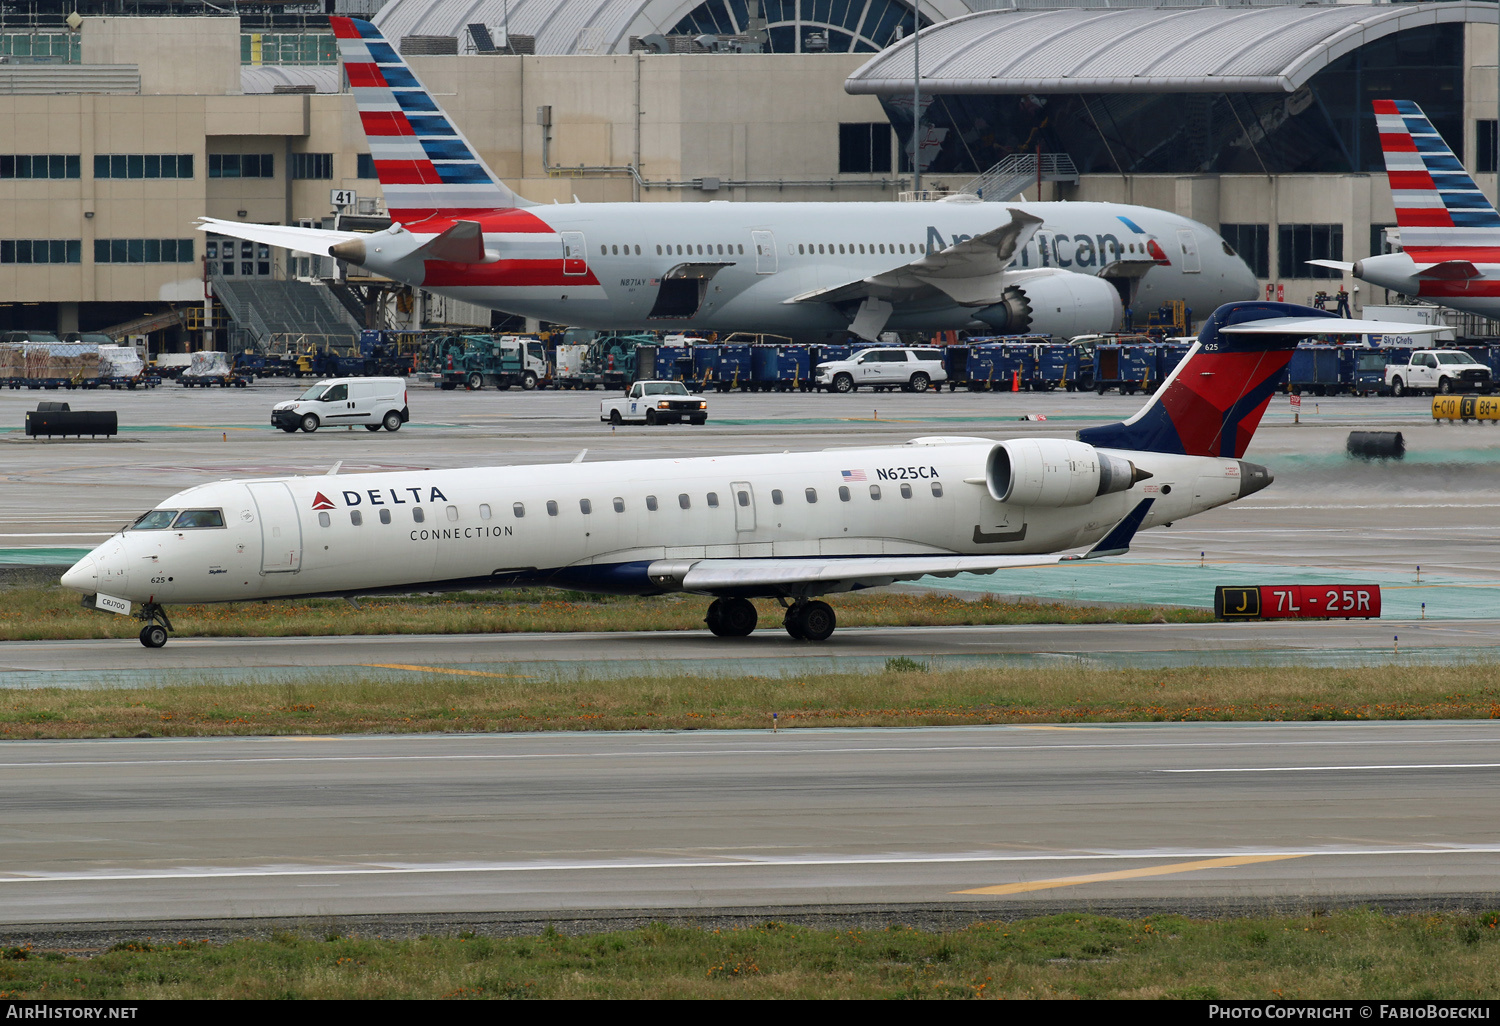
[453,513]
[684,501]
[742,497]
[619,504]
[191,518]
[156,520]
[651,503]
[484,511]
[551,508]
[323,520]
[418,515]
[585,506]
[658,249]
[776,496]
[385,516]
[713,500]
[875,492]
[799,249]
[637,251]
[356,518]
[906,491]
[519,509]
[937,489]
[843,493]
[812,495]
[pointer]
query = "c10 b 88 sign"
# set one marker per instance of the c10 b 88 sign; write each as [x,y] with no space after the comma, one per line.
[1298,602]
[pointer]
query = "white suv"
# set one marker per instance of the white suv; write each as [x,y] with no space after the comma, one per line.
[911,370]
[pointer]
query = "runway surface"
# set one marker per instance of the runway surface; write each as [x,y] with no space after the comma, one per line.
[969,818]
[770,652]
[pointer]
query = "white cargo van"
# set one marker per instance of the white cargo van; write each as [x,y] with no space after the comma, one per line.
[373,402]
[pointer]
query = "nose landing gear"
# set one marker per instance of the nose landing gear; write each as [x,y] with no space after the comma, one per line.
[154,634]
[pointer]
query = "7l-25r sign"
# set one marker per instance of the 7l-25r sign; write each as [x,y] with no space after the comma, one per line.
[1297,602]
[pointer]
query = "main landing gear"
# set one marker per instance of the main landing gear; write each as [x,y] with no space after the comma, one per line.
[154,634]
[805,621]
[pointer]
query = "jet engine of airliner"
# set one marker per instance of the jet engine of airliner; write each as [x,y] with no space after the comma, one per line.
[1055,472]
[1054,302]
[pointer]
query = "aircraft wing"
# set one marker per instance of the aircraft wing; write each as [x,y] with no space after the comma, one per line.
[970,272]
[1330,326]
[316,241]
[819,576]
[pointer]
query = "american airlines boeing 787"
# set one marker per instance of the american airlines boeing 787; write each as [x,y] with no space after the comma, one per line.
[808,270]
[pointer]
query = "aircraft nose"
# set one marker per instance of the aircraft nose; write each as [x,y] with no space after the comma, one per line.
[82,576]
[1253,477]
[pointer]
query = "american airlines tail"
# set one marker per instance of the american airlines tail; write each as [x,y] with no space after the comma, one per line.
[427,169]
[1443,215]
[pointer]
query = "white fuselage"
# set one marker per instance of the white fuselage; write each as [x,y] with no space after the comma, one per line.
[495,526]
[619,255]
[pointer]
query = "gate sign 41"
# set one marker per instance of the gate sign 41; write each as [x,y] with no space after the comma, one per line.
[1297,602]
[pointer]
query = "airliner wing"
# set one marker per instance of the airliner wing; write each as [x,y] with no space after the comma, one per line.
[316,241]
[845,573]
[970,272]
[1330,326]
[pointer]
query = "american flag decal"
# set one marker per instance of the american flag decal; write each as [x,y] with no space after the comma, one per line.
[855,475]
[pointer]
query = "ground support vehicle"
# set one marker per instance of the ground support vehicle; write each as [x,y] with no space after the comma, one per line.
[1055,365]
[995,366]
[371,402]
[655,402]
[212,380]
[1441,371]
[780,368]
[1366,371]
[1134,367]
[1319,369]
[473,361]
[733,369]
[673,363]
[911,370]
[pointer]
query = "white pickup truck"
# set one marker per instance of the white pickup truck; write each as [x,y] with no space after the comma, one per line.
[1438,370]
[655,402]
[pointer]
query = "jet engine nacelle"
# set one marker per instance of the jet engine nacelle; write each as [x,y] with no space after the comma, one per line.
[1054,302]
[1055,472]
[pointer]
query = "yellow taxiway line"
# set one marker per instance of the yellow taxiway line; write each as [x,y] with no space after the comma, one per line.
[1129,874]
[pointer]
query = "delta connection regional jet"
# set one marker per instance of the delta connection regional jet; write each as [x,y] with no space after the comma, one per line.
[807,270]
[788,526]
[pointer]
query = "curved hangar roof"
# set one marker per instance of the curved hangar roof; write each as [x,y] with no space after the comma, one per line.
[564,26]
[1146,50]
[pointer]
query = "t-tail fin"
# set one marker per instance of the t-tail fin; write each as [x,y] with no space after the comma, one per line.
[427,168]
[1212,402]
[1442,214]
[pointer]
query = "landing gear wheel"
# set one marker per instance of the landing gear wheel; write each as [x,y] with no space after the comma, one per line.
[310,423]
[843,384]
[615,418]
[793,622]
[919,382]
[153,635]
[731,617]
[817,621]
[393,421]
[372,427]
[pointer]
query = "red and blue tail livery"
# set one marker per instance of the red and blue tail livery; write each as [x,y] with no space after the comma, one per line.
[1212,402]
[426,166]
[1442,214]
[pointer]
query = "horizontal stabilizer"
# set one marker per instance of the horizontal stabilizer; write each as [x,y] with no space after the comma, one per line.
[1449,270]
[317,241]
[1302,326]
[1337,265]
[461,244]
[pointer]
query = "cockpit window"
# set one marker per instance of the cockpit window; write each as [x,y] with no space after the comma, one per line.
[156,520]
[190,518]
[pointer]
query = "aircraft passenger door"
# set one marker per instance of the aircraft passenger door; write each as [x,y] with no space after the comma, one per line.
[575,260]
[1189,243]
[765,252]
[280,528]
[744,505]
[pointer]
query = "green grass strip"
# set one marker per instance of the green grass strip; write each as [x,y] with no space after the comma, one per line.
[1347,955]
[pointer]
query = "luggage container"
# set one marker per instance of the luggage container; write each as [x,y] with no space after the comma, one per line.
[1316,369]
[1128,367]
[705,367]
[780,368]
[733,370]
[997,366]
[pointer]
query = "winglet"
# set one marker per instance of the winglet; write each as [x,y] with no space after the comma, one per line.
[1117,541]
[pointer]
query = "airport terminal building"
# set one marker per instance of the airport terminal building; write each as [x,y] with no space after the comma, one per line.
[1253,118]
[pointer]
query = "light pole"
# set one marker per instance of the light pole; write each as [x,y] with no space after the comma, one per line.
[916,96]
